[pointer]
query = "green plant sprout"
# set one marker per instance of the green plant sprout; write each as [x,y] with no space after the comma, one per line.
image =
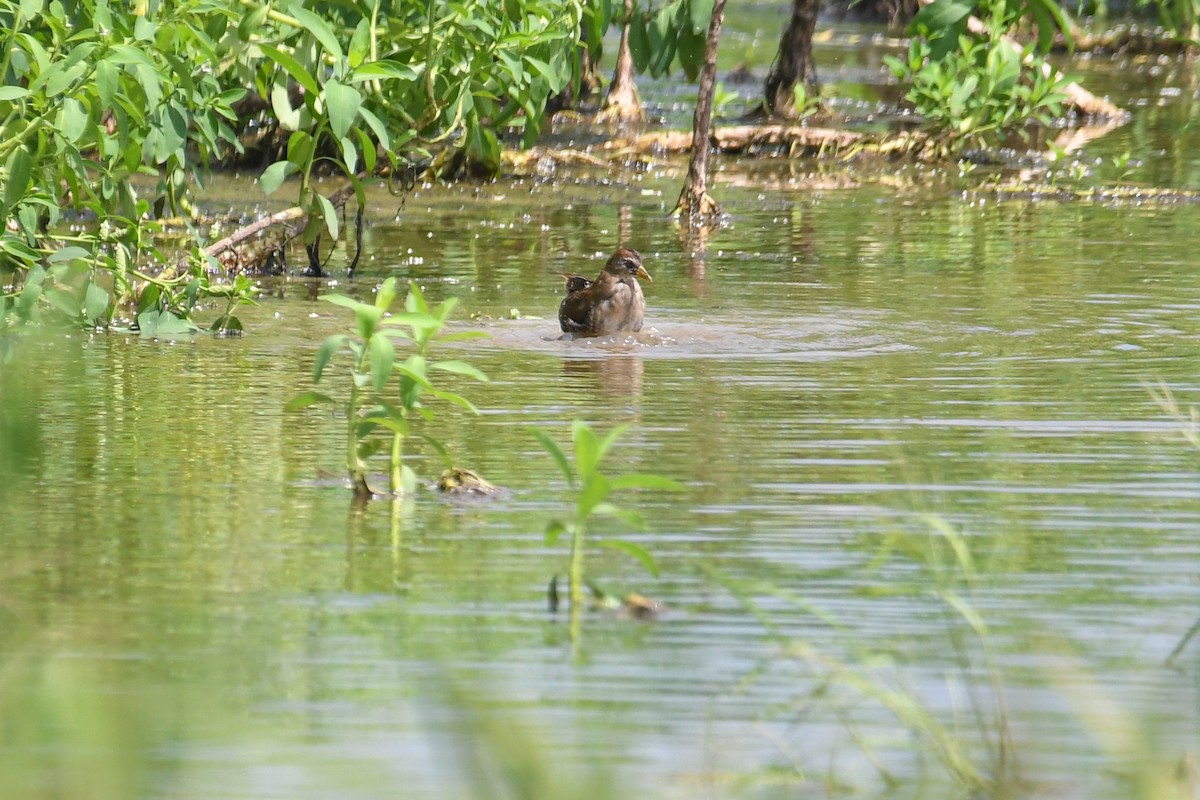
[592,490]
[367,406]
[807,103]
[1121,164]
[723,98]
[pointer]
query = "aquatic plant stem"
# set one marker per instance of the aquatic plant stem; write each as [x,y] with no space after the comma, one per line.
[577,566]
[354,464]
[397,481]
[575,616]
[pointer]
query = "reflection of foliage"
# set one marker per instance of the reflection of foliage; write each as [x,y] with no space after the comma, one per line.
[972,87]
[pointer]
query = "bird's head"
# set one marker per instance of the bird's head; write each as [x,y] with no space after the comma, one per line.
[627,262]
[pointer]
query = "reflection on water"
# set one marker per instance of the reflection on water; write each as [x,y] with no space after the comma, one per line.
[614,376]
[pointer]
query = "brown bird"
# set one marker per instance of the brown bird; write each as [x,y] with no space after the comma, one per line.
[613,302]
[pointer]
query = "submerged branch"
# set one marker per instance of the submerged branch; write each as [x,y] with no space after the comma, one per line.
[742,138]
[235,254]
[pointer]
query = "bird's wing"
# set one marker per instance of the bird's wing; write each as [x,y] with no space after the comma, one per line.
[587,309]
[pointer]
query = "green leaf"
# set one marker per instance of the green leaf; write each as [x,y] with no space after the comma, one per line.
[640,480]
[342,300]
[318,27]
[967,612]
[306,399]
[560,458]
[107,81]
[360,42]
[415,300]
[293,68]
[397,426]
[690,47]
[386,294]
[274,175]
[456,399]
[459,368]
[289,118]
[68,254]
[414,368]
[368,447]
[440,448]
[1052,17]
[329,215]
[10,93]
[349,155]
[596,489]
[95,303]
[252,22]
[554,79]
[18,171]
[416,320]
[627,515]
[153,322]
[941,16]
[367,318]
[377,127]
[58,78]
[408,479]
[143,29]
[483,149]
[587,448]
[227,324]
[383,69]
[554,529]
[383,358]
[639,43]
[442,312]
[638,552]
[301,148]
[342,103]
[616,433]
[662,41]
[328,347]
[63,301]
[701,15]
[367,148]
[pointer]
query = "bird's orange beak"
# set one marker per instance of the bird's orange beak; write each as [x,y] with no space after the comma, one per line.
[641,273]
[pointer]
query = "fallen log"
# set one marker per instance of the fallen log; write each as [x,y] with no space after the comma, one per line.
[236,252]
[740,138]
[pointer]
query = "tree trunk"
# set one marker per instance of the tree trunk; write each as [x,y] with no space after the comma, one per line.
[695,204]
[793,64]
[623,103]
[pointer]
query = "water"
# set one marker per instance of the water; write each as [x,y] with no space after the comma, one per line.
[191,607]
